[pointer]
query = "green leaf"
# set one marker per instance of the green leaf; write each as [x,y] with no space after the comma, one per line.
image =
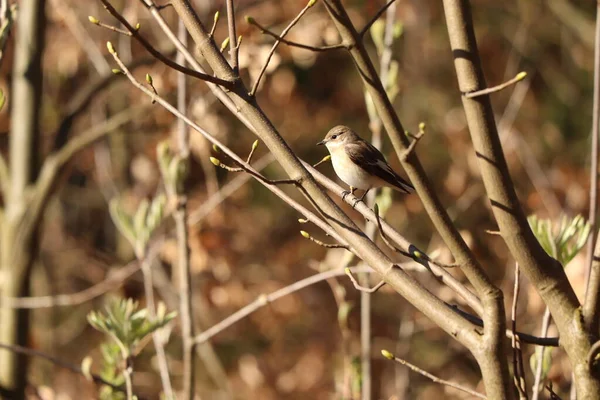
[2,99]
[546,362]
[377,31]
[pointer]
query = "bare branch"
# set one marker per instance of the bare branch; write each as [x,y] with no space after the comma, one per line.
[36,353]
[544,272]
[519,77]
[379,13]
[227,190]
[434,378]
[317,49]
[158,55]
[323,160]
[180,215]
[252,172]
[518,369]
[233,46]
[361,288]
[591,308]
[263,300]
[114,281]
[96,22]
[307,235]
[4,177]
[285,32]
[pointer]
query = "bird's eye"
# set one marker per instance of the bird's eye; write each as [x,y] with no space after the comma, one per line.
[334,137]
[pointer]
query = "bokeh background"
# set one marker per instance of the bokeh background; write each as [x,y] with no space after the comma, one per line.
[306,345]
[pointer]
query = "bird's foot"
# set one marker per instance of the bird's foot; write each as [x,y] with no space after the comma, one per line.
[360,199]
[347,192]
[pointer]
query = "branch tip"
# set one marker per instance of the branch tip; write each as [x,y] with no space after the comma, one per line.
[387,354]
[111,48]
[215,161]
[93,20]
[224,44]
[305,234]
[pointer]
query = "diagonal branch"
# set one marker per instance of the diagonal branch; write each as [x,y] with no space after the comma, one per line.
[36,353]
[591,306]
[247,107]
[4,177]
[263,300]
[73,299]
[55,162]
[378,14]
[492,359]
[544,272]
[281,39]
[276,44]
[158,55]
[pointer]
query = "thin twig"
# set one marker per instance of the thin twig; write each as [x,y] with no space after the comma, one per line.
[4,177]
[263,300]
[227,190]
[411,147]
[591,315]
[183,250]
[518,370]
[591,358]
[159,56]
[163,366]
[112,282]
[519,77]
[101,24]
[214,26]
[322,244]
[252,172]
[61,363]
[361,288]
[233,47]
[434,378]
[540,354]
[379,13]
[279,38]
[285,32]
[323,160]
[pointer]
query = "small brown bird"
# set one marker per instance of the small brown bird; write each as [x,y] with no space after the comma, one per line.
[359,164]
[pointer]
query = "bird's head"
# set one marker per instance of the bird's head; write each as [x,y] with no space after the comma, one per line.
[338,136]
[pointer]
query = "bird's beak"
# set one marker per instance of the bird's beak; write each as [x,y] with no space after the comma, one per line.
[321,143]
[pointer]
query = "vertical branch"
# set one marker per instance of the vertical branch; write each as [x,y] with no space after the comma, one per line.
[491,353]
[544,272]
[183,252]
[539,351]
[17,239]
[375,125]
[233,45]
[591,313]
[161,356]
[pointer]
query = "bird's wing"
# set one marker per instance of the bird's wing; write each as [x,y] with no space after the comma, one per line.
[366,156]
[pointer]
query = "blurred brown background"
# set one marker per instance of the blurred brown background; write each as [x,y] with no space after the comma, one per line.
[249,244]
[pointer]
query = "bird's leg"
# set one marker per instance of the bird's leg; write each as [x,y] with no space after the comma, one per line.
[361,198]
[346,192]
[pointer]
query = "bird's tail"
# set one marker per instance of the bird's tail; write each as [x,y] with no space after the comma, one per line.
[402,186]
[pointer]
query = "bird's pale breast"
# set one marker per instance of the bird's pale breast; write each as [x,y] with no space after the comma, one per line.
[350,173]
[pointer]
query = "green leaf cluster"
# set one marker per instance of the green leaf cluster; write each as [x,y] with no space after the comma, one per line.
[139,226]
[126,325]
[563,240]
